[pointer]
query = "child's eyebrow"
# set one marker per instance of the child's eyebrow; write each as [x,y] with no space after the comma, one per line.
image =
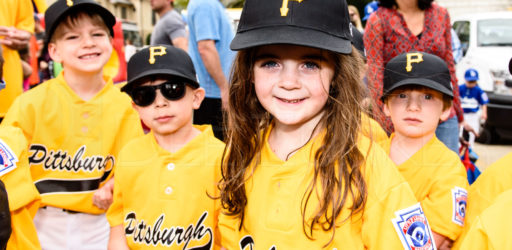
[315,57]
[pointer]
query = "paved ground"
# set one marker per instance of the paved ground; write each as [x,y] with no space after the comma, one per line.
[490,153]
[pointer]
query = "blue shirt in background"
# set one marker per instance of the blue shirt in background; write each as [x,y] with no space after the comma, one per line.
[207,20]
[472,98]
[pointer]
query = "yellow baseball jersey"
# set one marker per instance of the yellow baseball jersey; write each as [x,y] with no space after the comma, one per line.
[18,14]
[73,144]
[161,198]
[496,179]
[23,196]
[372,129]
[438,180]
[392,217]
[490,229]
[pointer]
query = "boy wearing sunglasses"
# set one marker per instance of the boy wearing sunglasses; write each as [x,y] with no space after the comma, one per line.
[75,126]
[417,96]
[165,179]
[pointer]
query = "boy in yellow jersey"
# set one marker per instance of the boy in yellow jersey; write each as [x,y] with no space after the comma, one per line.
[23,197]
[417,95]
[165,179]
[75,126]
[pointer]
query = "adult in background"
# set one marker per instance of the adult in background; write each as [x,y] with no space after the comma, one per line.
[210,36]
[400,26]
[355,18]
[170,28]
[16,26]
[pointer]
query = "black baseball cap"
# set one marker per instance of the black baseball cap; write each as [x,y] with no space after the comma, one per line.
[319,24]
[59,10]
[417,68]
[160,61]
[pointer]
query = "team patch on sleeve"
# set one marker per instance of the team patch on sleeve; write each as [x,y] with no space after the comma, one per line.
[460,197]
[412,227]
[7,159]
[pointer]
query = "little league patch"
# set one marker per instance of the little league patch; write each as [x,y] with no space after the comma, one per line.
[7,158]
[413,229]
[460,197]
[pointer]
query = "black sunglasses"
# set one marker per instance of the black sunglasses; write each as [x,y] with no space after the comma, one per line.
[145,95]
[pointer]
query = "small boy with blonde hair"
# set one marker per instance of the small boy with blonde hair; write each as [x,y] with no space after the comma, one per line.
[75,126]
[417,96]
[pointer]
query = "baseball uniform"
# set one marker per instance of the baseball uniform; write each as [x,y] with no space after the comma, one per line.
[23,196]
[372,129]
[490,229]
[438,180]
[275,193]
[73,144]
[162,198]
[496,179]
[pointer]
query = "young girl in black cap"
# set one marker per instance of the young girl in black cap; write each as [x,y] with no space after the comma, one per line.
[297,172]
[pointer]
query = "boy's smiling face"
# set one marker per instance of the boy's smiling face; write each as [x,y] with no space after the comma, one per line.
[84,47]
[415,112]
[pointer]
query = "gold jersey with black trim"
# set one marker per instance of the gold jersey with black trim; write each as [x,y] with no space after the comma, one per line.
[438,180]
[391,219]
[165,200]
[73,143]
[22,194]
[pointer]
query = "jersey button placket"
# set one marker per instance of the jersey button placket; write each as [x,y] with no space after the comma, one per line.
[171,166]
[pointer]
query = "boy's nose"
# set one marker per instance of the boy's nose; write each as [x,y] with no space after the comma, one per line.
[160,100]
[88,40]
[414,103]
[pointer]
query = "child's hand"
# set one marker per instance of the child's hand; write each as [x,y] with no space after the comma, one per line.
[103,197]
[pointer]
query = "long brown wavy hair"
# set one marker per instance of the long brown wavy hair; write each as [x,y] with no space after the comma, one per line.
[338,173]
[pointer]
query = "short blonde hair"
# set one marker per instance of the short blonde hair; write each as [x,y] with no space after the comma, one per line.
[73,20]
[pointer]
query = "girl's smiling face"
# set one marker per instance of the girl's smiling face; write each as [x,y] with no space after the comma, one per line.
[292,82]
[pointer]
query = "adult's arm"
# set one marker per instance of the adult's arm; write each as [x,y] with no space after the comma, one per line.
[211,61]
[181,42]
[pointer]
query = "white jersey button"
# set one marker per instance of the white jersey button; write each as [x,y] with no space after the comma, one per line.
[168,190]
[85,129]
[85,115]
[171,166]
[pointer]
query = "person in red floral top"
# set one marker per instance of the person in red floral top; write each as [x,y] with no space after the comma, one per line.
[404,26]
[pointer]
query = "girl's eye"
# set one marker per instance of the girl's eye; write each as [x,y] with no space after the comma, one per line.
[311,65]
[269,64]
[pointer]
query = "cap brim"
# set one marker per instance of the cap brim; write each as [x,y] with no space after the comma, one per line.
[157,72]
[420,82]
[290,35]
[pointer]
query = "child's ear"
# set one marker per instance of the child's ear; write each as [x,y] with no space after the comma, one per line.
[446,113]
[386,109]
[54,52]
[198,98]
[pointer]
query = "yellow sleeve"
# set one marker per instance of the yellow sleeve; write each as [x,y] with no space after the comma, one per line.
[445,205]
[393,218]
[24,199]
[25,17]
[21,114]
[115,212]
[477,237]
[130,129]
[228,229]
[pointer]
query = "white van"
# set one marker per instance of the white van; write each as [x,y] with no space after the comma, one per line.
[486,41]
